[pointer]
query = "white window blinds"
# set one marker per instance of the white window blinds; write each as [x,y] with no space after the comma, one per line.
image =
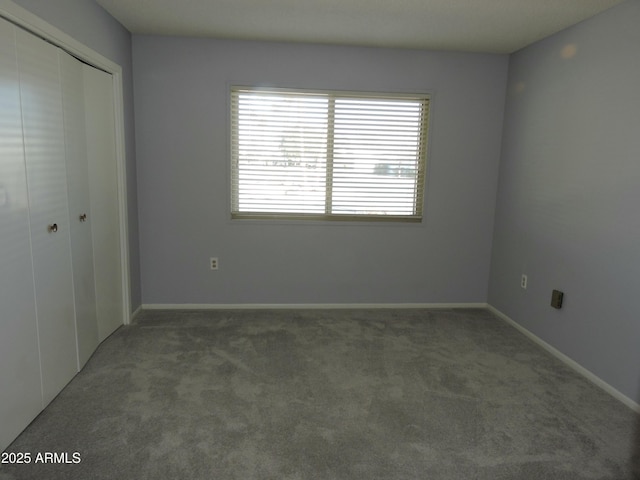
[327,155]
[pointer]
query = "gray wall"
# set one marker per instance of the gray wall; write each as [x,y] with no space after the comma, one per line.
[88,23]
[568,210]
[182,127]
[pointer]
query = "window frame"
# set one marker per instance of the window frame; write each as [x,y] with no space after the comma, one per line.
[420,177]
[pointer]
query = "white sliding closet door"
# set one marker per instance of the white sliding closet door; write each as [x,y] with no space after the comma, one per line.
[103,182]
[42,117]
[20,391]
[80,218]
[61,257]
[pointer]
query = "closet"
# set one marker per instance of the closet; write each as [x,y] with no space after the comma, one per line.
[60,275]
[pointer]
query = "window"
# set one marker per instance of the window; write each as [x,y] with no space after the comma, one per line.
[327,155]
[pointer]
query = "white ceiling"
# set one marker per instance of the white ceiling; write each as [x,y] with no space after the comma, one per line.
[496,26]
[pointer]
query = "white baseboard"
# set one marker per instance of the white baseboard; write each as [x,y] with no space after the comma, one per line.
[568,361]
[302,306]
[134,313]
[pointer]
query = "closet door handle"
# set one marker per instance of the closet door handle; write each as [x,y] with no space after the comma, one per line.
[83,217]
[53,228]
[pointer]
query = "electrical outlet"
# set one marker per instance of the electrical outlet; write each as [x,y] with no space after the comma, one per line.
[214,263]
[523,282]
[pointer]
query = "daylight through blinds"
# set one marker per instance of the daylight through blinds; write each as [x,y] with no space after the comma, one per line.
[327,154]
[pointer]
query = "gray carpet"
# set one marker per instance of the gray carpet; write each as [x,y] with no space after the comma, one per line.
[329,394]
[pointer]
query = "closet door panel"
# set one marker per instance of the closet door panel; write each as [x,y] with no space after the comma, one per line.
[103,182]
[80,217]
[49,216]
[20,388]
